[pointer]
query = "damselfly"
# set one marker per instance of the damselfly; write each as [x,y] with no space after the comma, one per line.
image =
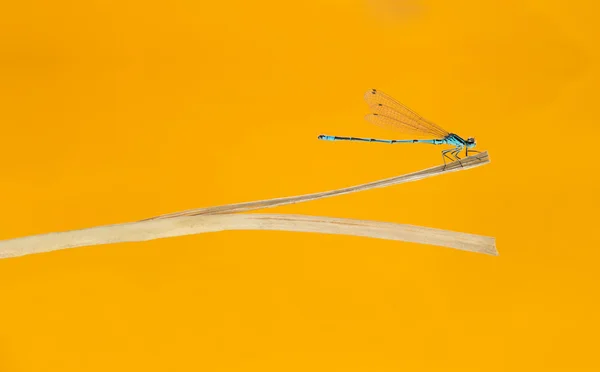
[387,112]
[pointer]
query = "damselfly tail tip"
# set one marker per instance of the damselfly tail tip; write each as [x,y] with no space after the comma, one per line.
[326,138]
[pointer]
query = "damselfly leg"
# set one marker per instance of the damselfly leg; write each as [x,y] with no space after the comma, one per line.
[456,152]
[452,154]
[467,151]
[445,155]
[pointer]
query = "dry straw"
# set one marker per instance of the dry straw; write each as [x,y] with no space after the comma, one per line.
[225,217]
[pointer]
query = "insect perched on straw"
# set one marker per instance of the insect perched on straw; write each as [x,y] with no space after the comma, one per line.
[389,113]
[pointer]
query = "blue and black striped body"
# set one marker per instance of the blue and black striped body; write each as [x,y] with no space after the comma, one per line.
[454,140]
[358,139]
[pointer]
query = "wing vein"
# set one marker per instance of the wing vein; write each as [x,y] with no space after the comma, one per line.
[391,114]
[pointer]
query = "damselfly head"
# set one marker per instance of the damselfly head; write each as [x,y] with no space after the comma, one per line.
[471,142]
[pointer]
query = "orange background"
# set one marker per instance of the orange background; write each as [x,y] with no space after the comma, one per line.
[115,111]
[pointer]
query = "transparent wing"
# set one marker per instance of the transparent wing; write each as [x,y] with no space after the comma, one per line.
[387,122]
[391,114]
